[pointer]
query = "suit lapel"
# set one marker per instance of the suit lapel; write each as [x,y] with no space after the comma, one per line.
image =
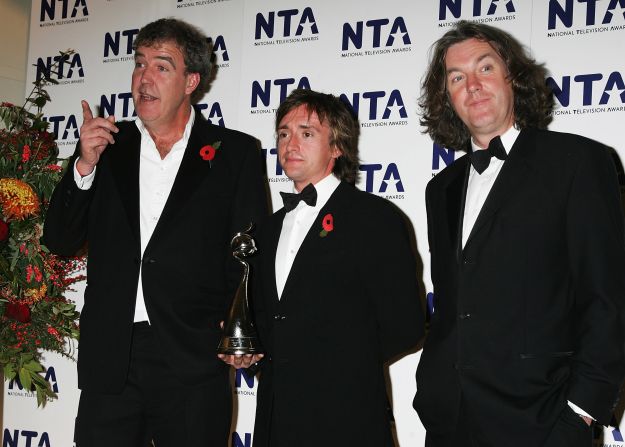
[274,231]
[192,172]
[313,245]
[513,173]
[455,199]
[124,159]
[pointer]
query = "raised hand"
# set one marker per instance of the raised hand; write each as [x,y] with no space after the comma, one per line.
[95,135]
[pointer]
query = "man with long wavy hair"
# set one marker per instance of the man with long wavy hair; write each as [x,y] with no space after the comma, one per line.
[527,246]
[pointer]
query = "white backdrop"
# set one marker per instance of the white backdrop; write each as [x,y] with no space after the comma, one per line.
[374,55]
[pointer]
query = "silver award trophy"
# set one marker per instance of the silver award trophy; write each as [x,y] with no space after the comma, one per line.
[239,333]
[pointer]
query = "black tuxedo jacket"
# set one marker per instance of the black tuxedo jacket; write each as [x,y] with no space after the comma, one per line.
[530,313]
[350,303]
[188,273]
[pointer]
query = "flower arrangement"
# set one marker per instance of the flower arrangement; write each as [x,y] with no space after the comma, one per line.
[34,314]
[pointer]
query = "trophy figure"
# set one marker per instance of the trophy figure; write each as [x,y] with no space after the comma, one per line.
[239,333]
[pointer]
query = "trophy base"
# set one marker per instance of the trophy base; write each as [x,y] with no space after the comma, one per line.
[239,346]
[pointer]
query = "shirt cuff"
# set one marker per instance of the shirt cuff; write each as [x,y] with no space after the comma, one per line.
[85,182]
[578,410]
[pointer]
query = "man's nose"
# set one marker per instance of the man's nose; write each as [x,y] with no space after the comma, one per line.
[292,142]
[146,76]
[473,84]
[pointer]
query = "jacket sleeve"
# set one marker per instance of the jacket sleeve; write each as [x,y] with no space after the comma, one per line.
[596,245]
[390,274]
[65,226]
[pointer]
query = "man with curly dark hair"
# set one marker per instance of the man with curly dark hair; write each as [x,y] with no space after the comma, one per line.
[525,346]
[157,200]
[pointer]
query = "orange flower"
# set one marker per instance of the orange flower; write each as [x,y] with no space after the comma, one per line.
[18,199]
[35,294]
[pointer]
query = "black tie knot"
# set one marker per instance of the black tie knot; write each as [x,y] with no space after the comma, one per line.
[481,159]
[308,195]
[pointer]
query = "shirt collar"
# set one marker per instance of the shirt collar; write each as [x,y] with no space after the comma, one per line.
[507,139]
[325,188]
[185,135]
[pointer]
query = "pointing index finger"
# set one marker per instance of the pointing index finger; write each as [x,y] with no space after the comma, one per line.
[86,111]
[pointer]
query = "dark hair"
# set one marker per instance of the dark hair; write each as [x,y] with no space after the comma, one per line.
[344,129]
[533,100]
[193,43]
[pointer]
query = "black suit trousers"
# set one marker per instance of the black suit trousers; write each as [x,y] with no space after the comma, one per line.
[154,405]
[569,431]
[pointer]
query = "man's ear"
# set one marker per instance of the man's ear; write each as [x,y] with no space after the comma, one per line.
[193,80]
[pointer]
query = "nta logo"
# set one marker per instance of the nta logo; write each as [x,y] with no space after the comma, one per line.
[242,376]
[238,442]
[267,25]
[376,31]
[113,41]
[441,153]
[31,438]
[214,115]
[564,13]
[51,8]
[391,105]
[588,86]
[109,105]
[50,376]
[219,50]
[69,129]
[263,92]
[477,8]
[391,176]
[278,166]
[69,66]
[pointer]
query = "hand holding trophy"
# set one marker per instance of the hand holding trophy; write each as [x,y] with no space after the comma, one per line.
[239,333]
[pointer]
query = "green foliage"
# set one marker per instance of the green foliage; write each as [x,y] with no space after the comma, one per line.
[35,316]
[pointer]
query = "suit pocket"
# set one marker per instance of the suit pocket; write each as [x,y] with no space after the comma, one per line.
[525,356]
[545,371]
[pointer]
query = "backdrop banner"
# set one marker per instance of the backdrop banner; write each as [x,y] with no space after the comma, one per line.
[372,54]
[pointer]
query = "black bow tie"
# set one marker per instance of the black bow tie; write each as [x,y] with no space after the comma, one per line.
[308,195]
[481,159]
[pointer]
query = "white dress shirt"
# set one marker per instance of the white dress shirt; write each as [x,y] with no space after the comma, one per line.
[480,184]
[296,225]
[156,178]
[478,188]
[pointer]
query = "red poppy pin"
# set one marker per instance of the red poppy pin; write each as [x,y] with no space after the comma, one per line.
[328,225]
[208,152]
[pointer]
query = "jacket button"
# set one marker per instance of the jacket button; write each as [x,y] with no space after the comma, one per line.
[464,316]
[279,317]
[148,261]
